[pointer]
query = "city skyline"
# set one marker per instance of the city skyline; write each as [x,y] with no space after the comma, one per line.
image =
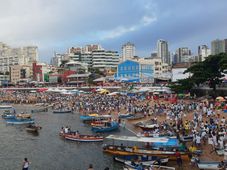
[56,26]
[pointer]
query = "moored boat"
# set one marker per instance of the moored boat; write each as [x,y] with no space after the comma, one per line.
[81,138]
[153,167]
[210,165]
[39,110]
[94,117]
[148,160]
[8,116]
[109,126]
[147,127]
[33,128]
[62,111]
[20,121]
[151,151]
[88,117]
[2,107]
[135,117]
[124,116]
[23,115]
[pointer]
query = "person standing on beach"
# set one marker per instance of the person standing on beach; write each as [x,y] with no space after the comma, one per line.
[25,164]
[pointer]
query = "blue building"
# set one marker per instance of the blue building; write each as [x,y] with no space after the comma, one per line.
[133,71]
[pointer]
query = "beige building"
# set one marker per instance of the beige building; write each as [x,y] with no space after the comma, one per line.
[20,72]
[160,69]
[16,56]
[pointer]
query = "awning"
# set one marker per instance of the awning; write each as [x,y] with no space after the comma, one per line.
[139,139]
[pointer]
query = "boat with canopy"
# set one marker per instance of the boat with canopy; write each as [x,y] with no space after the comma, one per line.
[159,146]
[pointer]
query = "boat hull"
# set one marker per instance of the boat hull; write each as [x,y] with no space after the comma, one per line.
[128,151]
[61,112]
[82,138]
[114,126]
[208,165]
[20,122]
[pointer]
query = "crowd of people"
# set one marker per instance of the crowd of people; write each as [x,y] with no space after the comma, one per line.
[201,119]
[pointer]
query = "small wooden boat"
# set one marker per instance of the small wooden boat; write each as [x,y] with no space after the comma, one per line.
[62,111]
[20,121]
[89,117]
[98,123]
[23,115]
[153,167]
[8,116]
[150,161]
[2,107]
[33,128]
[147,127]
[81,138]
[209,165]
[39,110]
[136,117]
[110,126]
[94,117]
[124,116]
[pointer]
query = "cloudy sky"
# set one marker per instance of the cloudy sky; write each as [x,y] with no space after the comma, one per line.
[55,25]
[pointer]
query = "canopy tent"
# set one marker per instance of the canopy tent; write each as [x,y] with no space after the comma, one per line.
[139,139]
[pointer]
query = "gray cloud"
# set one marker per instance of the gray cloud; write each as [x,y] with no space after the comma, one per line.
[56,25]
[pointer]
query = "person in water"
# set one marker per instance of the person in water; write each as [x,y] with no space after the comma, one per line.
[25,164]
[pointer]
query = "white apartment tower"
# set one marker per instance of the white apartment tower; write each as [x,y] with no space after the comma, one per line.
[162,51]
[203,52]
[128,51]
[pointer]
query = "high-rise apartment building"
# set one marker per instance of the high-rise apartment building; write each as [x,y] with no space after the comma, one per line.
[94,56]
[16,56]
[162,51]
[128,51]
[103,59]
[217,46]
[203,52]
[183,54]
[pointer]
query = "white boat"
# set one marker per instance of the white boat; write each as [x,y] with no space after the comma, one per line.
[209,165]
[5,107]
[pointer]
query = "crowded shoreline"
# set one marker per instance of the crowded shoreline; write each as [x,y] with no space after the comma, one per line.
[204,119]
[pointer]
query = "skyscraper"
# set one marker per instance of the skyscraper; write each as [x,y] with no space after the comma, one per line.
[183,54]
[203,52]
[128,51]
[162,51]
[217,46]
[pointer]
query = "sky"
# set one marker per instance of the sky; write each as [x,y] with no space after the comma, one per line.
[56,25]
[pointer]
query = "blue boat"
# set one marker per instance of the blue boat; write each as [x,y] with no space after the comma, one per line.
[17,121]
[123,116]
[89,117]
[109,126]
[94,116]
[8,116]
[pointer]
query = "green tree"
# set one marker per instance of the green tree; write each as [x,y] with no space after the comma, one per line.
[210,70]
[182,86]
